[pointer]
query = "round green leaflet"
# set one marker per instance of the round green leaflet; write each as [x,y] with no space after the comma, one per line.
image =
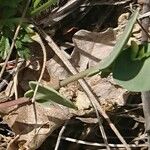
[132,75]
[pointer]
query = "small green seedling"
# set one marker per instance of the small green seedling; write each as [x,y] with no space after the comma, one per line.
[47,95]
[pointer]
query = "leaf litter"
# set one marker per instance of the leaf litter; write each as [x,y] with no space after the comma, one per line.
[89,48]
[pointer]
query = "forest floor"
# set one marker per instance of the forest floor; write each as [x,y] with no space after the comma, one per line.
[83,35]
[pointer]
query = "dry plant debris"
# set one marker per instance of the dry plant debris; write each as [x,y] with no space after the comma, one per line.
[34,124]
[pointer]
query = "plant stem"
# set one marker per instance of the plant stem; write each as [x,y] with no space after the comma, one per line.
[146,95]
[75,77]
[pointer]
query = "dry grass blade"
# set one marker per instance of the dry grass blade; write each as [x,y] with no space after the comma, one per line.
[83,84]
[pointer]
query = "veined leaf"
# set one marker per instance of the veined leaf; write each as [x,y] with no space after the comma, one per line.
[47,94]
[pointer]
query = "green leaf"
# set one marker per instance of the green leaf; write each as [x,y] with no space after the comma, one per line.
[4,47]
[141,53]
[25,35]
[45,103]
[48,95]
[22,44]
[24,52]
[132,75]
[43,7]
[26,38]
[36,3]
[138,52]
[134,50]
[18,44]
[119,46]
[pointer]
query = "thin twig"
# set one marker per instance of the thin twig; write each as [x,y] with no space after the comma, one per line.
[12,62]
[16,80]
[12,141]
[18,101]
[101,145]
[14,38]
[83,84]
[145,15]
[60,135]
[144,30]
[39,40]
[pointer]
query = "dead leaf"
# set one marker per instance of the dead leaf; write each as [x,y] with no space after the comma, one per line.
[109,94]
[33,131]
[57,68]
[92,47]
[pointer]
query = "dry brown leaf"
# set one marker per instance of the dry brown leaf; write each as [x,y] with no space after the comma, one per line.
[25,76]
[107,92]
[91,47]
[33,132]
[56,68]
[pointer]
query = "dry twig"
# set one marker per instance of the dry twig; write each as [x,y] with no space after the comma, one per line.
[60,135]
[39,40]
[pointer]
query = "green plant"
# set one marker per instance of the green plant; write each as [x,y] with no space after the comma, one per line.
[47,95]
[129,66]
[110,63]
[11,11]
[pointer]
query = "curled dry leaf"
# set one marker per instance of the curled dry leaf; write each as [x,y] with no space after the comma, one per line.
[33,131]
[92,47]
